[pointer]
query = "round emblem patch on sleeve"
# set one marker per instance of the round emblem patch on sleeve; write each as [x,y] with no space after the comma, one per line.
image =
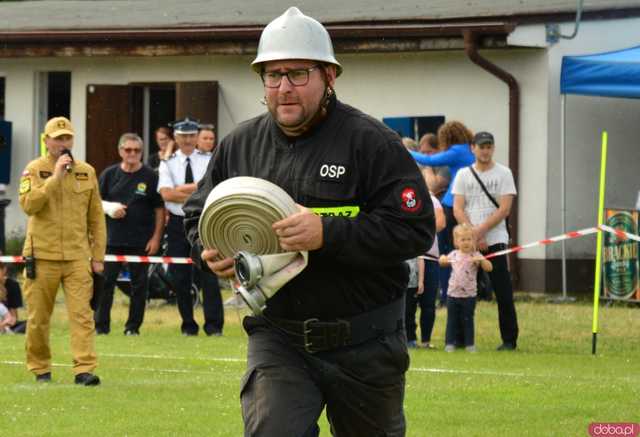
[25,185]
[409,200]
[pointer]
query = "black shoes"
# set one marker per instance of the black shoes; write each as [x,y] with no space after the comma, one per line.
[44,377]
[506,347]
[102,331]
[87,379]
[190,333]
[81,378]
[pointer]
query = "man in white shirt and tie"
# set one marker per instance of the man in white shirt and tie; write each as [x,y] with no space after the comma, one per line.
[178,177]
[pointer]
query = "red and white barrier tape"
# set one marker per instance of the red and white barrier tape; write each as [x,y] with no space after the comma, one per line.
[568,236]
[547,241]
[11,259]
[147,259]
[620,234]
[120,258]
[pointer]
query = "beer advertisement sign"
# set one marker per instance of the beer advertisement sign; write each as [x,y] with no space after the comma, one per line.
[621,278]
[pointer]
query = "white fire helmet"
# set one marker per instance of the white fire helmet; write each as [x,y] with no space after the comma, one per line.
[294,35]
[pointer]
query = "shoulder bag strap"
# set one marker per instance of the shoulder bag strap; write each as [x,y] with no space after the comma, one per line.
[491,198]
[484,188]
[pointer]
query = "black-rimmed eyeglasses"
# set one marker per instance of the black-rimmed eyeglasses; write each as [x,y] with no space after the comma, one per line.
[297,77]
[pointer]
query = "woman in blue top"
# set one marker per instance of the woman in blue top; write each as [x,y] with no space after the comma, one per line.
[454,141]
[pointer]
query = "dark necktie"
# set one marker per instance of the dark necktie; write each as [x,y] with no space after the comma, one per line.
[188,173]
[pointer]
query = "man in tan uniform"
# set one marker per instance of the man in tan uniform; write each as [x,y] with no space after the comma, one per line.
[66,235]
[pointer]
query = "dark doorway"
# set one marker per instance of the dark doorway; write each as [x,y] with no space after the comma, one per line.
[59,94]
[162,111]
[1,98]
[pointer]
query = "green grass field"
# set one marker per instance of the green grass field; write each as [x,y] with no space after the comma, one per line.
[163,384]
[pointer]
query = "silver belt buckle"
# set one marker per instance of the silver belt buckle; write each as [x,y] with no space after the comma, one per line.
[305,335]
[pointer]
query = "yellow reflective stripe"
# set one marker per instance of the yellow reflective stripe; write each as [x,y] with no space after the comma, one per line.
[337,211]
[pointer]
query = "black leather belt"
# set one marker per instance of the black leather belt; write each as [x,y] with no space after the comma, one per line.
[315,335]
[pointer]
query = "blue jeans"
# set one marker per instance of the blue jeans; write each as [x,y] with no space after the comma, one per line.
[460,315]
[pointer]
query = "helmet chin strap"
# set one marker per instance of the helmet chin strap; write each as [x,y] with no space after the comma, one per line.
[306,125]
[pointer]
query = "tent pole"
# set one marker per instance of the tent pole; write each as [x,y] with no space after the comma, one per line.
[563,189]
[563,198]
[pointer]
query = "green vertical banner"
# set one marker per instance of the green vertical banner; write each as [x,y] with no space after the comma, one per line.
[620,260]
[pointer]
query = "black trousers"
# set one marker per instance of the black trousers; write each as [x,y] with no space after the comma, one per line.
[445,246]
[410,307]
[503,289]
[212,304]
[285,389]
[427,303]
[428,299]
[460,321]
[183,276]
[139,290]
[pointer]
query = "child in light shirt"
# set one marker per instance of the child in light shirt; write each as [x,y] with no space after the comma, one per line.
[10,300]
[6,319]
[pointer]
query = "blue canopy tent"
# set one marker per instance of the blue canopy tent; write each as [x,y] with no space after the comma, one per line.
[609,74]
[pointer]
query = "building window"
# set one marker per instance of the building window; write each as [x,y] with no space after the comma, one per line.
[414,126]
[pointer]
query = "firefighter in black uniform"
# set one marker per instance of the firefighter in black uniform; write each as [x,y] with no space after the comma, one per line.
[333,336]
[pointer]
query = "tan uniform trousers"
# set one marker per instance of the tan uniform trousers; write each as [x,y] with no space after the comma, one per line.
[40,293]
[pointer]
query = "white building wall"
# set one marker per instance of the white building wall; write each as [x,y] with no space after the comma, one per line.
[19,109]
[402,84]
[447,83]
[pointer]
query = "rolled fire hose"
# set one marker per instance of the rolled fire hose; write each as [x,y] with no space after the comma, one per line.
[236,220]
